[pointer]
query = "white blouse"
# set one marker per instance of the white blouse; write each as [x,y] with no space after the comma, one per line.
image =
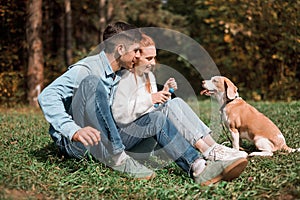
[131,99]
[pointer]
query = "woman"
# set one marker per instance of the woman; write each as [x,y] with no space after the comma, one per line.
[137,93]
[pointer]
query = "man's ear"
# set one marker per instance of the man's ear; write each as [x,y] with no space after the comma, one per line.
[231,91]
[121,49]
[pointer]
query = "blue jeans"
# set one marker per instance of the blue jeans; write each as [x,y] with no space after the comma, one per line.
[90,107]
[185,120]
[155,124]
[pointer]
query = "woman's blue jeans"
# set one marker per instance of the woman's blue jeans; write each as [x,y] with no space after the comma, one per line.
[155,124]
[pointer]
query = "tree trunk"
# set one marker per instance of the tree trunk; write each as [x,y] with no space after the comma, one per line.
[68,33]
[35,73]
[102,18]
[110,10]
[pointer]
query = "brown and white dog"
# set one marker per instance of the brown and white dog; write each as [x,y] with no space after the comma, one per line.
[243,120]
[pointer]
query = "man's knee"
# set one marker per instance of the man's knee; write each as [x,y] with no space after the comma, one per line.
[91,82]
[88,85]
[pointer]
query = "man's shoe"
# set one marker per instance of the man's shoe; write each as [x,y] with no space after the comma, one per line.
[233,168]
[135,169]
[212,173]
[223,153]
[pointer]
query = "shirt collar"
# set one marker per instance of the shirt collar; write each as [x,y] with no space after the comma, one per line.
[107,67]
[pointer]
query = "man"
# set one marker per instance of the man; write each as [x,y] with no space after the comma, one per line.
[89,85]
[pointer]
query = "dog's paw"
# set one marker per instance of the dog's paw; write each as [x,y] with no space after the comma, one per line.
[296,150]
[262,153]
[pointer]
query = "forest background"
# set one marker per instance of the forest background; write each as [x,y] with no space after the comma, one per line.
[253,42]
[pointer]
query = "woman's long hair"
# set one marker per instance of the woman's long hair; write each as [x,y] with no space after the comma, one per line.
[146,41]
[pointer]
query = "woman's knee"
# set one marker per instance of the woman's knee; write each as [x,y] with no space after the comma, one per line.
[178,100]
[157,117]
[175,102]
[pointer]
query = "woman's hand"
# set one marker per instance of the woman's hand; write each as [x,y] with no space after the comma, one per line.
[171,83]
[160,97]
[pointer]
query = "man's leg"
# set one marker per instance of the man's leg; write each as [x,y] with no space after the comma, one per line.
[90,107]
[83,110]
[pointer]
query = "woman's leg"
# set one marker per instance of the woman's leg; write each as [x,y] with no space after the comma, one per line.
[156,124]
[196,132]
[186,121]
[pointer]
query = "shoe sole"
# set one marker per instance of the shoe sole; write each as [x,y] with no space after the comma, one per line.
[231,172]
[152,176]
[234,170]
[212,181]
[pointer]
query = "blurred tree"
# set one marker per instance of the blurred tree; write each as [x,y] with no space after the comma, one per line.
[148,13]
[35,51]
[13,57]
[68,33]
[106,9]
[253,42]
[102,18]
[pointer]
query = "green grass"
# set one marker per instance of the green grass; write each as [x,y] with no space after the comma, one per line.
[30,167]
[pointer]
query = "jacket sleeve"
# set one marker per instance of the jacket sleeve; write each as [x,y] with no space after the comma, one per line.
[55,98]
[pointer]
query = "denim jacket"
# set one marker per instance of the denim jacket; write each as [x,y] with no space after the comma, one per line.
[55,100]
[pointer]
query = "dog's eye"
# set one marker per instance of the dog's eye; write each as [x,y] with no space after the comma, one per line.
[214,81]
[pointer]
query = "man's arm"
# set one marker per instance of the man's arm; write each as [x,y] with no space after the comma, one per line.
[53,98]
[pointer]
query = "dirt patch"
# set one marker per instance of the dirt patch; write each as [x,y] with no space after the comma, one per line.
[20,194]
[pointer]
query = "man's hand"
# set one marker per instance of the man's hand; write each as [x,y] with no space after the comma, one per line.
[87,136]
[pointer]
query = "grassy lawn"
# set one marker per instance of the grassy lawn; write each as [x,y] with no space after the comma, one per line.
[30,167]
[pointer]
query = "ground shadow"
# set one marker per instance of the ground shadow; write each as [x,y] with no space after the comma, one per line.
[43,154]
[51,154]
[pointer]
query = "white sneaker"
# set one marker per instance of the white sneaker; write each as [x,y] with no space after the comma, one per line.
[221,152]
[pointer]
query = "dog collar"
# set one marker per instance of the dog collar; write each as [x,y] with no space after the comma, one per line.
[227,102]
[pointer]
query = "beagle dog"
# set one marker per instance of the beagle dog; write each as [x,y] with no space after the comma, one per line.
[243,120]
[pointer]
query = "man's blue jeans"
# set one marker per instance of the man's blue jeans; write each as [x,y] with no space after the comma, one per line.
[90,107]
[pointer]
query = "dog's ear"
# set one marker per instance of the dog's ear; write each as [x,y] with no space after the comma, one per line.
[231,90]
